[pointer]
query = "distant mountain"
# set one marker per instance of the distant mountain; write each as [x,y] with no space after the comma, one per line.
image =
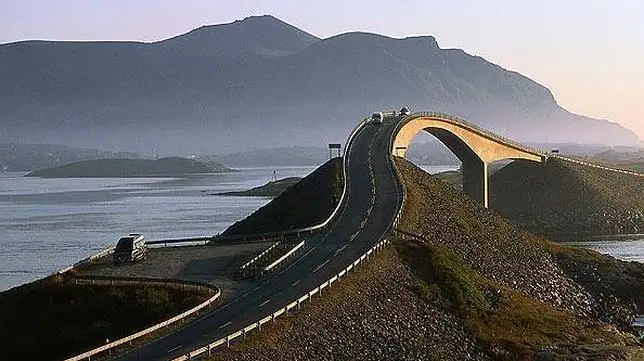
[261,83]
[17,157]
[283,156]
[431,153]
[171,166]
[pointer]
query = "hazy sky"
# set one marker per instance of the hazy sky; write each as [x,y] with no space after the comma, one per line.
[589,53]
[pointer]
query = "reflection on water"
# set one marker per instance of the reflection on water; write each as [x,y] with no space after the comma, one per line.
[47,224]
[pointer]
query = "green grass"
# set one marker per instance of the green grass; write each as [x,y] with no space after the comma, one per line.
[513,322]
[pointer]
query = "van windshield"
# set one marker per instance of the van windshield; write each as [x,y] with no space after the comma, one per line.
[124,244]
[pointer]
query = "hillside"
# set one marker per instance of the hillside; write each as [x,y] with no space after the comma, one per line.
[468,285]
[129,168]
[307,203]
[267,82]
[564,200]
[17,157]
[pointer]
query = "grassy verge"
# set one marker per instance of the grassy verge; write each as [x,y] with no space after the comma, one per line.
[510,325]
[64,319]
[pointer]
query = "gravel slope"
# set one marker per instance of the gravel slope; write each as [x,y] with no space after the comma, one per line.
[469,285]
[565,200]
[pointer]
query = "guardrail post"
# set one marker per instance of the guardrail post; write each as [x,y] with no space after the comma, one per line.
[298,303]
[209,350]
[259,326]
[243,333]
[227,341]
[273,318]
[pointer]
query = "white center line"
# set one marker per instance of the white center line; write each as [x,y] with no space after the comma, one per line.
[224,325]
[265,302]
[174,348]
[320,266]
[340,250]
[294,283]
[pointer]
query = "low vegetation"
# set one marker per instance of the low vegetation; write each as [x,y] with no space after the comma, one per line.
[509,324]
[52,319]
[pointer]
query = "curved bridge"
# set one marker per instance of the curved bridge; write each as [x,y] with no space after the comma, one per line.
[474,146]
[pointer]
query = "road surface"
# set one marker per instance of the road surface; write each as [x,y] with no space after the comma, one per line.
[364,219]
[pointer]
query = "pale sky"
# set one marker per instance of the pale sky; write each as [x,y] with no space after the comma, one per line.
[589,53]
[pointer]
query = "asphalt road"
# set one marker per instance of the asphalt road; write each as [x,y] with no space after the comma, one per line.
[362,222]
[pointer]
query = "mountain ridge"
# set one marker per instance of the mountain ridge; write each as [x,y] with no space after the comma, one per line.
[267,82]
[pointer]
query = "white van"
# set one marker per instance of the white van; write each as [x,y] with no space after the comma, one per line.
[377,118]
[130,248]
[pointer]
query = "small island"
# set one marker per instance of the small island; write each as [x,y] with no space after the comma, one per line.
[129,168]
[270,189]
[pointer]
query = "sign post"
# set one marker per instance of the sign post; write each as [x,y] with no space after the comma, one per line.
[335,146]
[402,149]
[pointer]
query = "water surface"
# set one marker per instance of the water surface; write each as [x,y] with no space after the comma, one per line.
[48,224]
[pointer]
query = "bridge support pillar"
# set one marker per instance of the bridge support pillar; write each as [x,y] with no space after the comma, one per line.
[475,180]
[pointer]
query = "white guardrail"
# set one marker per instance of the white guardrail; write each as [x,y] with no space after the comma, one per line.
[394,169]
[110,250]
[207,349]
[285,256]
[259,256]
[617,170]
[108,347]
[88,260]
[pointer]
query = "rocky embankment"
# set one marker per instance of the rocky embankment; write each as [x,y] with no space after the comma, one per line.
[565,200]
[462,283]
[306,203]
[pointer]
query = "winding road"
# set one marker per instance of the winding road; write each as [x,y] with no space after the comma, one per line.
[366,215]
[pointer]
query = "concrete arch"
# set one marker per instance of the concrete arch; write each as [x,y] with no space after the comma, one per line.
[475,147]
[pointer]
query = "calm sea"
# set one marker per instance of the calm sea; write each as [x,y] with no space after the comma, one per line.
[48,224]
